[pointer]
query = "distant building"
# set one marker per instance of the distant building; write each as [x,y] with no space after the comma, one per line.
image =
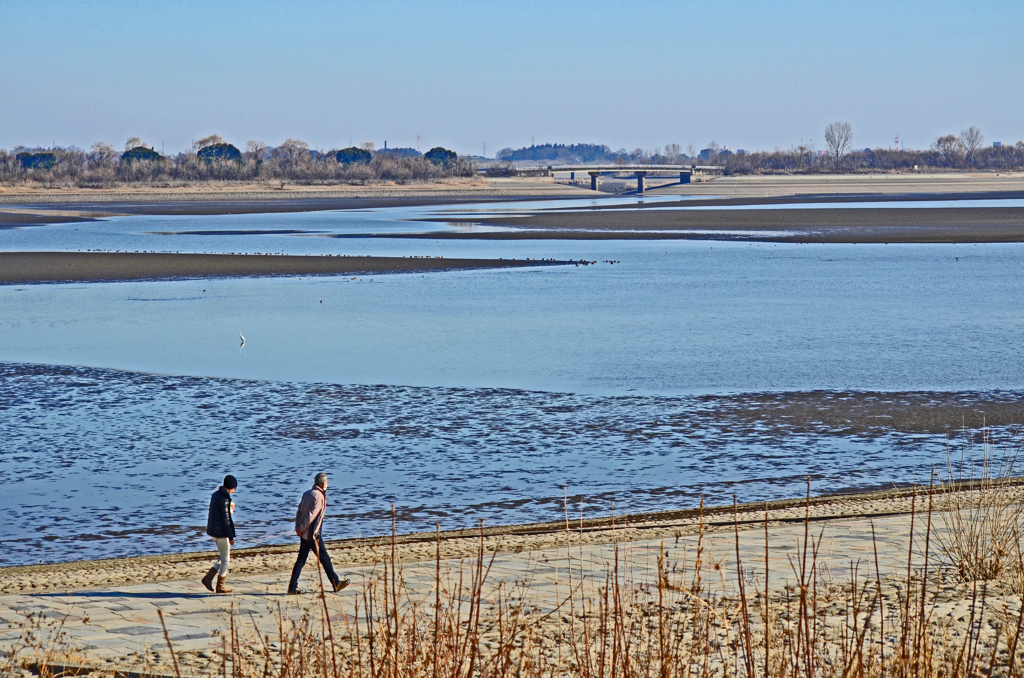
[997,144]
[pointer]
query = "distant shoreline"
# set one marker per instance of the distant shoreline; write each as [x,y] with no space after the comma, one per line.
[54,267]
[290,198]
[744,221]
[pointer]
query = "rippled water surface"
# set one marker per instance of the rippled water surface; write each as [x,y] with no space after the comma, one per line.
[101,463]
[466,395]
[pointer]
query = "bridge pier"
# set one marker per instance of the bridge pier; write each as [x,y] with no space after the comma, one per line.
[593,180]
[640,181]
[684,177]
[572,176]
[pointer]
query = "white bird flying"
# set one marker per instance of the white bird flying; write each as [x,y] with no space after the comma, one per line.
[241,335]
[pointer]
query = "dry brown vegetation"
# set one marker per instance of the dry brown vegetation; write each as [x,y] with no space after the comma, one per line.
[981,513]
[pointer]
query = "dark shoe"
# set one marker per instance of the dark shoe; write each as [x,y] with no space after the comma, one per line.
[342,583]
[221,588]
[297,592]
[208,579]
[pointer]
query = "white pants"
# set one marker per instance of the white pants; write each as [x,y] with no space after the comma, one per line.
[224,546]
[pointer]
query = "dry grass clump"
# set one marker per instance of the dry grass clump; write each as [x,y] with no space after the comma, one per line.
[981,511]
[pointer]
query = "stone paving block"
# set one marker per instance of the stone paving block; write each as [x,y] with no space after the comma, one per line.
[135,630]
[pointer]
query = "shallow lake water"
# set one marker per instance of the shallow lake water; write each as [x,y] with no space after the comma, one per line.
[462,395]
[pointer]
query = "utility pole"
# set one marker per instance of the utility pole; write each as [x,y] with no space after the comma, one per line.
[485,149]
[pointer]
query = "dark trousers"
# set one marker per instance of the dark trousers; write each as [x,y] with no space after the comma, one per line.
[305,546]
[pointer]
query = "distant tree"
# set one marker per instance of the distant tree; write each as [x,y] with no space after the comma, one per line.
[838,137]
[133,142]
[219,151]
[212,140]
[139,153]
[401,153]
[103,154]
[353,156]
[255,150]
[949,148]
[294,152]
[972,139]
[561,153]
[441,157]
[673,153]
[367,146]
[42,161]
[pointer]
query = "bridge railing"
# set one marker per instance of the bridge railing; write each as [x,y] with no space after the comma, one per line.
[632,168]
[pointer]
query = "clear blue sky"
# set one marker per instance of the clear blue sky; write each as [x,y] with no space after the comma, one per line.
[752,75]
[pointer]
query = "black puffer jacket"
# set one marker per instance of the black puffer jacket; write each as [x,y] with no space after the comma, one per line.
[219,524]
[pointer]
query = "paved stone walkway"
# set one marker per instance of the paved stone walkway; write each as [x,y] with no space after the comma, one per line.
[113,623]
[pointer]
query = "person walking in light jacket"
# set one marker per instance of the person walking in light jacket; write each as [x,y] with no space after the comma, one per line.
[308,521]
[221,527]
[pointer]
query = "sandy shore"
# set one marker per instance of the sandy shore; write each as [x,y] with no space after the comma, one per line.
[107,611]
[846,225]
[454,544]
[36,267]
[271,195]
[906,183]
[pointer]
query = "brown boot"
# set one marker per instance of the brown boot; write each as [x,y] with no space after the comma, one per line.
[221,588]
[208,579]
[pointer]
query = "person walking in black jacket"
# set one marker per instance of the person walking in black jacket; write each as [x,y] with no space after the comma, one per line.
[221,527]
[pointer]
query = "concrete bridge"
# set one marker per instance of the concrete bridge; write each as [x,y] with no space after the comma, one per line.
[641,171]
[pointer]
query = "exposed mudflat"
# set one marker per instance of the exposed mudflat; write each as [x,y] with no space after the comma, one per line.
[139,454]
[845,225]
[36,267]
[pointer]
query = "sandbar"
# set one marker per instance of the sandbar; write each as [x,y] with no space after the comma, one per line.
[42,267]
[841,225]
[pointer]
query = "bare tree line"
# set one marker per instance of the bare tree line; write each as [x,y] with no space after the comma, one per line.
[212,159]
[966,151]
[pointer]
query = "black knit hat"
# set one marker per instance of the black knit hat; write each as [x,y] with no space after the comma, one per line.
[230,483]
